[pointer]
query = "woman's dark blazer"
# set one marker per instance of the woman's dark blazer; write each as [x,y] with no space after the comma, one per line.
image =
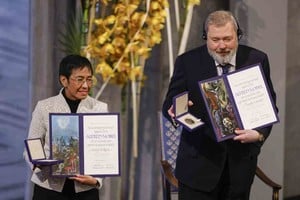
[201,159]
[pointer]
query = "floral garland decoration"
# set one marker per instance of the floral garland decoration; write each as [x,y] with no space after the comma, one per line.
[122,41]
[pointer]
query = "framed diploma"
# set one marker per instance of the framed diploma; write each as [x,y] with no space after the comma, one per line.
[240,99]
[36,153]
[88,142]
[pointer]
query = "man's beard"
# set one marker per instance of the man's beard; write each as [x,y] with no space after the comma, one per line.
[222,60]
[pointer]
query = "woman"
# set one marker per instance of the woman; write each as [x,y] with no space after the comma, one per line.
[75,75]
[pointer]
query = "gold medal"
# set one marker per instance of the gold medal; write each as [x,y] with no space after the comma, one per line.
[189,121]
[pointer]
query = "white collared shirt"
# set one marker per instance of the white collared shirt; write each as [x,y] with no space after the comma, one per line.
[231,69]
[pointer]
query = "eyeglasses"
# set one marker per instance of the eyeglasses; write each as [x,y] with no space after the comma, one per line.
[81,80]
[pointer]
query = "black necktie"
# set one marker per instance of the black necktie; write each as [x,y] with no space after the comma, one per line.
[225,68]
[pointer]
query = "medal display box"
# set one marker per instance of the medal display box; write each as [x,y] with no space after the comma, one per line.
[182,115]
[37,154]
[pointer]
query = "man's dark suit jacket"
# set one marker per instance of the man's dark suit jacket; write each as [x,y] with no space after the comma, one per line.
[200,158]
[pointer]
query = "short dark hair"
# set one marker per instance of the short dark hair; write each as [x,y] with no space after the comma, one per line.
[70,62]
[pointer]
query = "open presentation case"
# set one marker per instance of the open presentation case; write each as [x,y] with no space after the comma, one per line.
[36,153]
[182,115]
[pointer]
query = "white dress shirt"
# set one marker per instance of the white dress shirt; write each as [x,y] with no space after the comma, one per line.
[231,69]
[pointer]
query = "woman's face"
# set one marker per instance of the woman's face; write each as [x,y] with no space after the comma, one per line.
[78,85]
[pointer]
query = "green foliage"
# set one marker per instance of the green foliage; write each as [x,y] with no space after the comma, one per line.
[71,39]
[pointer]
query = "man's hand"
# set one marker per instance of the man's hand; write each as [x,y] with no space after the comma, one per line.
[84,179]
[171,109]
[247,136]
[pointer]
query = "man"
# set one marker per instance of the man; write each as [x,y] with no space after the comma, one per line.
[75,75]
[206,169]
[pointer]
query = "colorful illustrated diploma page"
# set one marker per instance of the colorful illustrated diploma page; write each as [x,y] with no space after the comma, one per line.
[240,99]
[88,143]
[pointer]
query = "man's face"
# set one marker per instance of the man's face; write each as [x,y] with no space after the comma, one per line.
[222,42]
[78,85]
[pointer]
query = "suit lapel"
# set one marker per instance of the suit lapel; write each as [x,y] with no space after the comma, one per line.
[210,69]
[241,57]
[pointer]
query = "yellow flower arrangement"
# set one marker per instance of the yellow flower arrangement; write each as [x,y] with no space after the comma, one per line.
[122,41]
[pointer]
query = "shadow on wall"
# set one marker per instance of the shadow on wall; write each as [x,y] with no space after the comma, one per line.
[241,12]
